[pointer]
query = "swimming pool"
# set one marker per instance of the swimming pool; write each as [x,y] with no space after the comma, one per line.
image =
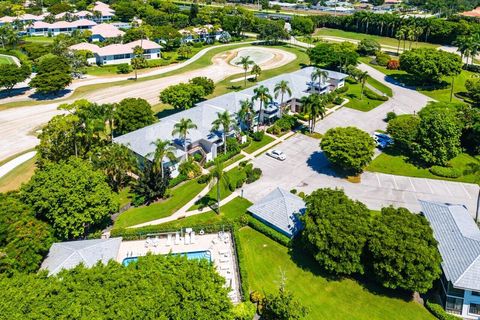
[194,255]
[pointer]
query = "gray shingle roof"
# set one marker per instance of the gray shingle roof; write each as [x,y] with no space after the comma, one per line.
[280,208]
[458,242]
[205,112]
[67,255]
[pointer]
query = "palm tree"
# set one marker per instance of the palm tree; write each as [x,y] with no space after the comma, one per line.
[400,35]
[362,78]
[181,129]
[220,178]
[321,75]
[138,60]
[163,149]
[261,94]
[224,120]
[117,161]
[256,70]
[315,106]
[244,115]
[411,35]
[245,62]
[282,88]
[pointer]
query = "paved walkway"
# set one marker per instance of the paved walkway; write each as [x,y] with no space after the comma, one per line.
[12,164]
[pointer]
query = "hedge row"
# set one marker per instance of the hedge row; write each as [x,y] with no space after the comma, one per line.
[472,67]
[222,158]
[445,172]
[241,266]
[374,96]
[177,180]
[439,312]
[268,231]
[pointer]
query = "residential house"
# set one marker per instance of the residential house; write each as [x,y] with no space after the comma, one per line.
[41,28]
[102,12]
[24,19]
[120,53]
[280,210]
[202,140]
[458,239]
[104,31]
[475,13]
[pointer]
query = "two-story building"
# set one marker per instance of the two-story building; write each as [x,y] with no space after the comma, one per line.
[458,239]
[105,31]
[41,28]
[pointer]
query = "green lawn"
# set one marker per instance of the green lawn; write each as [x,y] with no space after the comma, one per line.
[5,60]
[380,86]
[397,164]
[385,41]
[179,196]
[231,211]
[39,39]
[19,175]
[265,260]
[255,145]
[233,160]
[124,196]
[364,104]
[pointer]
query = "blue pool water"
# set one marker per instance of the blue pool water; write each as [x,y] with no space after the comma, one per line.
[194,255]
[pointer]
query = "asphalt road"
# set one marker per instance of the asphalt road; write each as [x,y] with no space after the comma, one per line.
[307,169]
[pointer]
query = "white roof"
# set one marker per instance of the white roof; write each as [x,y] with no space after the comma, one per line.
[67,255]
[281,209]
[63,24]
[107,30]
[85,46]
[458,239]
[104,9]
[127,48]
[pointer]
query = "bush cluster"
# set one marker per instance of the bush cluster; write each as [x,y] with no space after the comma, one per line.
[342,89]
[374,96]
[438,311]
[393,65]
[222,158]
[258,136]
[123,68]
[382,58]
[390,116]
[446,172]
[472,67]
[177,180]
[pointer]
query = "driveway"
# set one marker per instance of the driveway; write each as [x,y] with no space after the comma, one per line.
[306,169]
[404,101]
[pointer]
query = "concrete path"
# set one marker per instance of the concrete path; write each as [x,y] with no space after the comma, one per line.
[12,164]
[18,124]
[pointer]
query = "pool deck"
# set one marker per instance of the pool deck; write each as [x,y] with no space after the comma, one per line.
[220,247]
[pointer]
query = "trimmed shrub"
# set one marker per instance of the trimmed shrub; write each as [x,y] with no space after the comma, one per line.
[269,232]
[338,101]
[123,68]
[351,80]
[382,58]
[472,67]
[446,172]
[293,191]
[342,89]
[390,116]
[393,65]
[204,178]
[222,158]
[439,312]
[373,96]
[241,266]
[244,311]
[258,136]
[177,180]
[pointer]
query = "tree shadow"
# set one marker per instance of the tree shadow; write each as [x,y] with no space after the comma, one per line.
[410,159]
[49,96]
[320,164]
[411,82]
[166,112]
[13,92]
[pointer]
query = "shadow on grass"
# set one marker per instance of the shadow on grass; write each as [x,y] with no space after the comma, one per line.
[305,261]
[411,82]
[49,96]
[13,92]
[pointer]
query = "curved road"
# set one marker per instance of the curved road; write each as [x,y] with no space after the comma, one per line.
[17,125]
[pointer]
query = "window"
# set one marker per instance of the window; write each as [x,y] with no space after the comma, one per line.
[474,308]
[454,305]
[454,291]
[476,293]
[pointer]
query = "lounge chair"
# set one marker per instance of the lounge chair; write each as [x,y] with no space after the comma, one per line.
[224,260]
[187,238]
[169,240]
[225,267]
[177,238]
[192,237]
[223,253]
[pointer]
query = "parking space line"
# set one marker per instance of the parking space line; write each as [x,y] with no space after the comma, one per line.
[468,194]
[395,183]
[428,184]
[411,183]
[446,187]
[378,179]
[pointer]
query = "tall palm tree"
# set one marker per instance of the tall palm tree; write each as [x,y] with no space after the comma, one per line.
[138,60]
[163,149]
[282,88]
[411,35]
[244,115]
[220,178]
[181,129]
[224,120]
[320,75]
[362,78]
[245,62]
[261,94]
[400,35]
[315,106]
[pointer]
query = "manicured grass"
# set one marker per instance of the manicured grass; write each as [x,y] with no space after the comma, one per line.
[233,160]
[266,260]
[364,104]
[38,39]
[21,174]
[231,211]
[179,196]
[124,196]
[255,145]
[394,163]
[385,41]
[5,60]
[102,70]
[380,86]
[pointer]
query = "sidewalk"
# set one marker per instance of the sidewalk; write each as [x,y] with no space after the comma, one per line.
[12,164]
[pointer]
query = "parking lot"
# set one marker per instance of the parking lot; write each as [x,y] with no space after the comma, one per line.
[306,169]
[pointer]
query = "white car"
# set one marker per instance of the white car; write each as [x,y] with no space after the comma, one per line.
[277,154]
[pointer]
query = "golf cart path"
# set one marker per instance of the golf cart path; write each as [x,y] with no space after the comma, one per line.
[18,124]
[12,164]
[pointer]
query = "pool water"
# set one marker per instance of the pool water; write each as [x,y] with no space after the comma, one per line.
[195,255]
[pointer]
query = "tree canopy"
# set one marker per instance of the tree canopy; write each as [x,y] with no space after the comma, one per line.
[336,230]
[430,65]
[155,287]
[350,149]
[11,74]
[71,196]
[53,74]
[182,95]
[206,83]
[283,305]
[302,25]
[334,55]
[402,251]
[132,114]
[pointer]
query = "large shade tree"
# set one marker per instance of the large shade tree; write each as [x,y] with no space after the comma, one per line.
[72,196]
[402,251]
[336,231]
[53,74]
[132,114]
